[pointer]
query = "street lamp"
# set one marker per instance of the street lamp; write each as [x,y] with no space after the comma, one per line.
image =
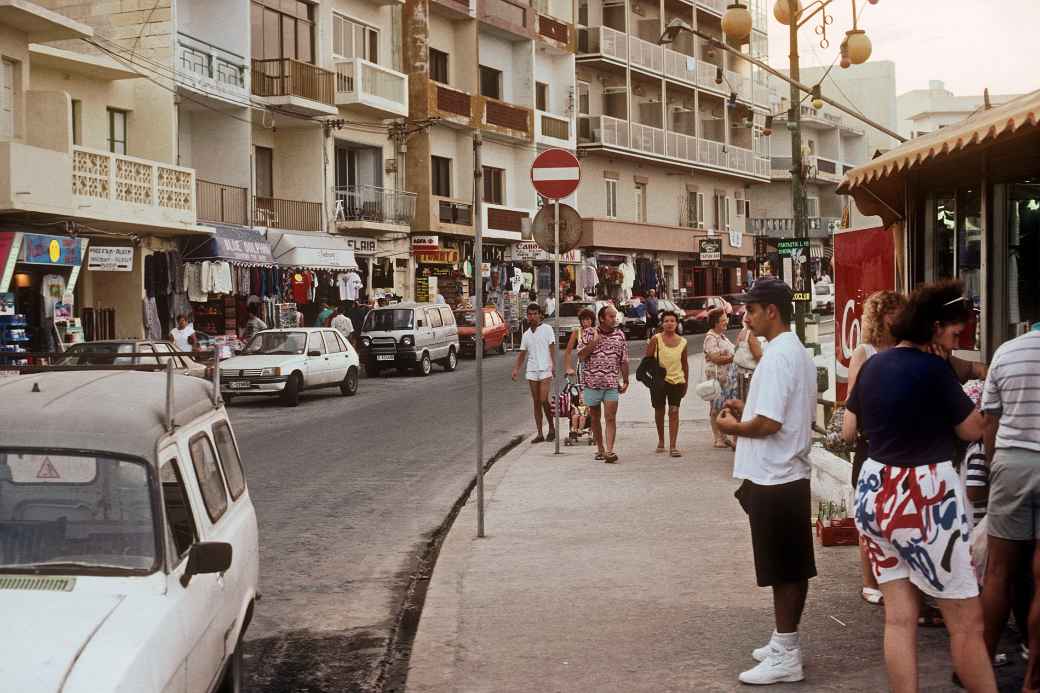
[736,23]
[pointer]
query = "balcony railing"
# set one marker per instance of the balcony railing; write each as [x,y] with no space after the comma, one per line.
[505,115]
[614,132]
[112,177]
[453,211]
[223,204]
[211,69]
[553,127]
[553,29]
[510,12]
[646,55]
[780,226]
[680,66]
[288,77]
[362,82]
[498,218]
[452,101]
[291,215]
[370,203]
[604,41]
[718,6]
[707,74]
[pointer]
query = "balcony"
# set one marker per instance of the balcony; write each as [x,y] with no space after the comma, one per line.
[295,86]
[604,43]
[454,9]
[553,130]
[680,66]
[222,204]
[290,215]
[377,90]
[707,73]
[716,6]
[212,71]
[505,120]
[817,169]
[504,222]
[509,18]
[452,106]
[645,55]
[616,134]
[556,34]
[450,215]
[779,227]
[367,207]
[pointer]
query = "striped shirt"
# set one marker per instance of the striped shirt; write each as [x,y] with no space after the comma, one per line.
[603,365]
[977,474]
[1012,392]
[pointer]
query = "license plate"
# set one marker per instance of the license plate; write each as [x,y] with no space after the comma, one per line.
[384,357]
[239,385]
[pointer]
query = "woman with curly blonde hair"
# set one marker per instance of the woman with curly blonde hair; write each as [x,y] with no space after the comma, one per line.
[880,311]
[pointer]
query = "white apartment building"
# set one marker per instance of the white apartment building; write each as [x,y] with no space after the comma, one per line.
[927,110]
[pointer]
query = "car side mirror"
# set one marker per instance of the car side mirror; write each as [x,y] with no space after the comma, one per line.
[206,557]
[314,352]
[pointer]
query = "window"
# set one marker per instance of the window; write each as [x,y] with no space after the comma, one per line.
[282,29]
[7,98]
[695,210]
[77,121]
[490,82]
[208,473]
[541,96]
[352,39]
[440,175]
[180,525]
[331,344]
[583,98]
[611,190]
[314,343]
[178,362]
[722,212]
[229,458]
[641,202]
[494,179]
[743,205]
[434,317]
[341,341]
[438,66]
[264,162]
[447,317]
[812,207]
[146,360]
[116,131]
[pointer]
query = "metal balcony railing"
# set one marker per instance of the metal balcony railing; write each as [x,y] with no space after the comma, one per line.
[223,204]
[645,54]
[604,41]
[288,77]
[371,203]
[291,215]
[680,66]
[553,126]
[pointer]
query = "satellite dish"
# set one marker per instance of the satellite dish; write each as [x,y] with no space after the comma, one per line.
[570,228]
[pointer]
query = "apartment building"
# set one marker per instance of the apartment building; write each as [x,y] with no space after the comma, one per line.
[671,141]
[505,69]
[926,110]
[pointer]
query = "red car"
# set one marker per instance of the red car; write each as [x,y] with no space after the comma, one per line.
[697,309]
[496,331]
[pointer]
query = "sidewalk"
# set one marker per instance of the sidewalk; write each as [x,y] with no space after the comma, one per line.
[631,577]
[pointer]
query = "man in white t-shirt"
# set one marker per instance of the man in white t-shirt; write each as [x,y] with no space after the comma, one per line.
[774,435]
[538,349]
[342,324]
[184,334]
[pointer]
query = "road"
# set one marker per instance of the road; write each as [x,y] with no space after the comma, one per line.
[349,492]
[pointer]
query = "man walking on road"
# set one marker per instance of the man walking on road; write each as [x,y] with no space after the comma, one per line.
[538,348]
[772,458]
[651,312]
[605,353]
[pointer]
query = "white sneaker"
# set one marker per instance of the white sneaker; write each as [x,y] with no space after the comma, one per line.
[761,654]
[780,666]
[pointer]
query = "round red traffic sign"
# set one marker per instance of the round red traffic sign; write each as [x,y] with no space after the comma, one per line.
[555,173]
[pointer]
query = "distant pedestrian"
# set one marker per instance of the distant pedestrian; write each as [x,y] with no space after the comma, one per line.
[774,437]
[254,324]
[670,351]
[538,350]
[651,311]
[324,316]
[605,353]
[342,324]
[910,503]
[183,335]
[550,305]
[718,364]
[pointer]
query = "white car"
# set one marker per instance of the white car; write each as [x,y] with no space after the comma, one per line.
[129,554]
[823,297]
[284,363]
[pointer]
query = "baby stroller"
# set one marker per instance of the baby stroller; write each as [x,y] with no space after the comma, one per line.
[573,407]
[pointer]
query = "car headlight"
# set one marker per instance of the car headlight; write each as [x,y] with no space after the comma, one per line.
[408,340]
[270,371]
[366,342]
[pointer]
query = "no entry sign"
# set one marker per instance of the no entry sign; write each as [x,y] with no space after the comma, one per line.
[555,173]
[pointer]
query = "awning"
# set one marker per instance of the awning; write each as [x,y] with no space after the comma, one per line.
[238,244]
[876,179]
[311,250]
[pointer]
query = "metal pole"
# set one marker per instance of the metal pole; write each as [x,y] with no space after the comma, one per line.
[556,325]
[478,274]
[794,120]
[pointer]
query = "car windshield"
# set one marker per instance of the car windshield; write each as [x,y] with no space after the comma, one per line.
[388,320]
[823,289]
[75,514]
[98,354]
[694,303]
[285,343]
[571,310]
[466,317]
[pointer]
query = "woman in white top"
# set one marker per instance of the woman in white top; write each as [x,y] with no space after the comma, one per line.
[184,334]
[879,312]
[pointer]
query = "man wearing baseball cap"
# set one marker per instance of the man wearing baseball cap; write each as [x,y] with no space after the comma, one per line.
[774,434]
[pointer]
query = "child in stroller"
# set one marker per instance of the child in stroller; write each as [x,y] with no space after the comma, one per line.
[572,403]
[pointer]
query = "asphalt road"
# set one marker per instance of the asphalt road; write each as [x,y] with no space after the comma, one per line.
[349,492]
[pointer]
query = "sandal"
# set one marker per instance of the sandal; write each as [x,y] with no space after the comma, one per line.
[610,458]
[599,456]
[871,595]
[660,449]
[719,446]
[538,439]
[674,453]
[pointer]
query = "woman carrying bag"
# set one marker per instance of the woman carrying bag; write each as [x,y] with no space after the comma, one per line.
[718,365]
[669,350]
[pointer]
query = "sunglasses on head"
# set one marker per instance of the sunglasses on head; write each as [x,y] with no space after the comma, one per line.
[956,300]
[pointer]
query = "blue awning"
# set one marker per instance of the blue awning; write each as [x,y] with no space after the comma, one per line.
[239,244]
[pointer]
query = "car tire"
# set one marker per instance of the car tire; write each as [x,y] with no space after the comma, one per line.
[232,679]
[425,365]
[452,362]
[502,347]
[291,393]
[348,388]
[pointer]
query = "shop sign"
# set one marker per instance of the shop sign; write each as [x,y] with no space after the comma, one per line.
[425,243]
[794,266]
[531,251]
[361,245]
[101,258]
[448,256]
[244,250]
[736,238]
[710,249]
[50,250]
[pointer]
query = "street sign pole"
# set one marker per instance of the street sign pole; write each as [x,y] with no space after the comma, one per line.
[478,314]
[556,324]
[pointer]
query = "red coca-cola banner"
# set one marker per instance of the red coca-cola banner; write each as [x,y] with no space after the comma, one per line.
[864,262]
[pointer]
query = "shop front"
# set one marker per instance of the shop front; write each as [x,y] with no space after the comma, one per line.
[537,267]
[964,202]
[317,270]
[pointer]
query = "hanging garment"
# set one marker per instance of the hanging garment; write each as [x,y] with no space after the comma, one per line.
[149,275]
[528,280]
[52,289]
[221,277]
[152,328]
[628,275]
[206,276]
[301,287]
[176,264]
[193,282]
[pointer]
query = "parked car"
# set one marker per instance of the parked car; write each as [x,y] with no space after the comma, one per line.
[129,556]
[568,320]
[410,335]
[823,297]
[696,309]
[739,304]
[106,353]
[495,331]
[635,326]
[284,363]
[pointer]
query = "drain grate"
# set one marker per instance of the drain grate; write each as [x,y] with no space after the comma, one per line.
[36,583]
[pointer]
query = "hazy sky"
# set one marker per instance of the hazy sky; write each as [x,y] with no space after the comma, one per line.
[968,44]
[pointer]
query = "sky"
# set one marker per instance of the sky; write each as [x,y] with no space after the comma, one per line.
[968,44]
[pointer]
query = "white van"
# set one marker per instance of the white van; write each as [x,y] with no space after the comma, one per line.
[129,555]
[410,335]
